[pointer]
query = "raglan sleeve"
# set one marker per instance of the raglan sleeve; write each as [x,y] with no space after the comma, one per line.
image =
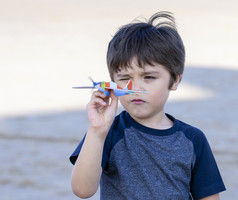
[76,152]
[206,179]
[106,151]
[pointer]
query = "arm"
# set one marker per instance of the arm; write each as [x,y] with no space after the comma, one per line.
[212,197]
[87,170]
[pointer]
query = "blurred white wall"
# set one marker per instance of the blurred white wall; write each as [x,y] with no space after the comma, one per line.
[48,46]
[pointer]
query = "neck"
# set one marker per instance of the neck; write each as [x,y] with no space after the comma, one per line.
[160,121]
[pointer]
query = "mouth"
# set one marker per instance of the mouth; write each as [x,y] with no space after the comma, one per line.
[138,101]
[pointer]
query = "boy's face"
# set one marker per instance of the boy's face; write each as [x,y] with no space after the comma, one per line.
[154,79]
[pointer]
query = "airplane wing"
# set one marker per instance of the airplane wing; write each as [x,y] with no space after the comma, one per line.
[84,87]
[130,91]
[121,92]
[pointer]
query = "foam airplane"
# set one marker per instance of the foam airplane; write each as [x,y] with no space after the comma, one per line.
[106,87]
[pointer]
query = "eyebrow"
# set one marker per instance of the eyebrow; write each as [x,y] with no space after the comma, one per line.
[122,75]
[150,73]
[142,73]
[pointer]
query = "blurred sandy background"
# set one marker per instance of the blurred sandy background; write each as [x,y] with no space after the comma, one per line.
[48,46]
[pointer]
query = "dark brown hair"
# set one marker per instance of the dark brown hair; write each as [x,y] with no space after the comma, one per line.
[150,43]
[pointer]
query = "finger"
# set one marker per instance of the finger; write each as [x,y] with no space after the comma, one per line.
[102,96]
[114,100]
[98,94]
[100,101]
[98,97]
[113,95]
[107,100]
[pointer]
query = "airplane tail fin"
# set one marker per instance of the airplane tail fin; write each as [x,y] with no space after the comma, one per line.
[128,85]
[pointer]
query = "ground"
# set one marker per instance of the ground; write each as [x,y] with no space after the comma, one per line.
[49,46]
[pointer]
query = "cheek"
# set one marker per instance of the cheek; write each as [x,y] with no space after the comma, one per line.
[158,96]
[154,98]
[123,99]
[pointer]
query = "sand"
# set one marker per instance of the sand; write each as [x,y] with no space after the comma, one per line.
[46,47]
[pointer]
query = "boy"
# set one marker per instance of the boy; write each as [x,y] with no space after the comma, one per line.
[144,153]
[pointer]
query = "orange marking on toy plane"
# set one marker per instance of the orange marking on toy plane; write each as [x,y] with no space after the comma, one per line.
[129,85]
[119,87]
[107,84]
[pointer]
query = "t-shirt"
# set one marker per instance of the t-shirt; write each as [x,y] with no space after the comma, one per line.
[144,163]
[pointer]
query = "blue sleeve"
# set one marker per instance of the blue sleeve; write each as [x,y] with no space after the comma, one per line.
[76,152]
[114,135]
[206,179]
[106,151]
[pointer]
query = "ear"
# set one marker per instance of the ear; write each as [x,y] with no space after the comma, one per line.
[176,83]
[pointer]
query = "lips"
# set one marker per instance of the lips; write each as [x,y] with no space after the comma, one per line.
[138,101]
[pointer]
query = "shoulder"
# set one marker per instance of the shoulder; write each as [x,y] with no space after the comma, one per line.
[195,135]
[191,132]
[121,121]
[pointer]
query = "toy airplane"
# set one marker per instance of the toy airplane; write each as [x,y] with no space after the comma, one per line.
[106,87]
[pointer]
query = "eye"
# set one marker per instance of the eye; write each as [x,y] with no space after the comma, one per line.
[150,77]
[124,79]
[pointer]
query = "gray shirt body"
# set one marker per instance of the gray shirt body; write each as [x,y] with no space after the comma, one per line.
[141,163]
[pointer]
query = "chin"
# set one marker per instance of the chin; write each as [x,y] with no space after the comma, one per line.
[139,115]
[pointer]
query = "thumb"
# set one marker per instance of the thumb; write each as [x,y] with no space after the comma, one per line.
[114,100]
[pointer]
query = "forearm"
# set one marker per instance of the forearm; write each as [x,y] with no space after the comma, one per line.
[87,170]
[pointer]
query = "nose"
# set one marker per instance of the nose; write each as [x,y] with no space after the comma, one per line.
[137,85]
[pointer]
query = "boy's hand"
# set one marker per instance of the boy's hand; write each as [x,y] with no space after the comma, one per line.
[101,111]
